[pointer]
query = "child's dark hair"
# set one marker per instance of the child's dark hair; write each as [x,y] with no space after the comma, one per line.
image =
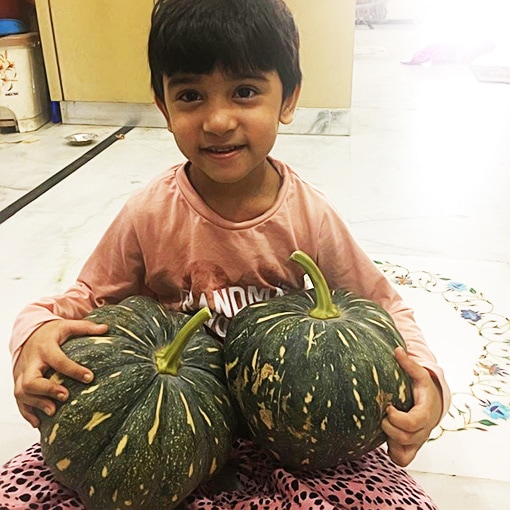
[240,37]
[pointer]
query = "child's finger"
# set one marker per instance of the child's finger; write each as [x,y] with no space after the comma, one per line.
[401,455]
[34,393]
[81,327]
[396,432]
[66,366]
[413,369]
[28,414]
[412,423]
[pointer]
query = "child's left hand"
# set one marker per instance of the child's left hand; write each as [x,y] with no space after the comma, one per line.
[408,431]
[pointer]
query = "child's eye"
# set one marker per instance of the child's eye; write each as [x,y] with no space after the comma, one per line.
[246,92]
[189,96]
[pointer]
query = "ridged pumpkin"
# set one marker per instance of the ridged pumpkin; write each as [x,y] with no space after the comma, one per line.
[313,373]
[155,422]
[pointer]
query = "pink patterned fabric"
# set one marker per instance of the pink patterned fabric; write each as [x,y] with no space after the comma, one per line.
[373,482]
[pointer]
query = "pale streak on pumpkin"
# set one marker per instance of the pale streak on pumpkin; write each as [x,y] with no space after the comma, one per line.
[115,495]
[381,324]
[358,399]
[274,326]
[273,316]
[246,376]
[155,426]
[63,464]
[53,434]
[189,417]
[98,340]
[275,454]
[230,366]
[121,445]
[266,416]
[116,374]
[357,421]
[212,349]
[375,375]
[104,472]
[353,335]
[342,338]
[191,470]
[254,359]
[402,392]
[91,491]
[90,389]
[130,334]
[133,353]
[267,372]
[214,466]
[189,381]
[97,419]
[311,337]
[206,418]
[56,377]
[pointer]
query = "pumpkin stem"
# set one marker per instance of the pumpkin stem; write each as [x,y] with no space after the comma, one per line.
[168,359]
[325,308]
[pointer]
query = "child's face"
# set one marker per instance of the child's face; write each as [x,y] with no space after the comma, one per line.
[226,126]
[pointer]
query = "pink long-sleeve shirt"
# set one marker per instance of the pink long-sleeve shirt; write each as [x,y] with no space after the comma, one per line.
[168,244]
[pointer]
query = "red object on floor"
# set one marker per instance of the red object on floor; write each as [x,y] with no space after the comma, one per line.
[10,9]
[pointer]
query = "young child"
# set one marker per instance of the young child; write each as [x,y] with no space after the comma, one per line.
[224,74]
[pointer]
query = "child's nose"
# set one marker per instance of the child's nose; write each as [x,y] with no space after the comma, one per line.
[220,120]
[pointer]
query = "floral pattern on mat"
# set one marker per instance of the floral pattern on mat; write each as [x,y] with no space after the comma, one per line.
[486,402]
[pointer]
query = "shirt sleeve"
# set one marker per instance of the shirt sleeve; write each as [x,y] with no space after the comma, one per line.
[346,265]
[114,271]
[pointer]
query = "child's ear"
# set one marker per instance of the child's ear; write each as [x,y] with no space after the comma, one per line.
[162,108]
[289,106]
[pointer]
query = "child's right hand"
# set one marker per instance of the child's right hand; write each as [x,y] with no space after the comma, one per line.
[41,352]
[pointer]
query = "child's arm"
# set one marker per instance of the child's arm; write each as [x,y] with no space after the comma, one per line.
[114,271]
[42,351]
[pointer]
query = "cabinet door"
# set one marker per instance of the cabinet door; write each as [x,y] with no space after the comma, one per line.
[327,48]
[101,49]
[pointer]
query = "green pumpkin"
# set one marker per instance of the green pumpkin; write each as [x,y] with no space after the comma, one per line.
[313,373]
[156,420]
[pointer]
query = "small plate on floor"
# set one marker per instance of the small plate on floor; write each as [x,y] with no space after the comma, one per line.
[81,138]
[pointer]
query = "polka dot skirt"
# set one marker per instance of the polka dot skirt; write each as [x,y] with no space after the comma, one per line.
[251,481]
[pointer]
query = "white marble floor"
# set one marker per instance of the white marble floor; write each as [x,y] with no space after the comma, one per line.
[423,179]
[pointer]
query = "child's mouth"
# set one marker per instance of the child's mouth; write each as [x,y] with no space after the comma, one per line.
[223,150]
